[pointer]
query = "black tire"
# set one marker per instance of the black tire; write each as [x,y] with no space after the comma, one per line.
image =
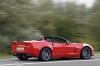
[45,54]
[85,53]
[22,57]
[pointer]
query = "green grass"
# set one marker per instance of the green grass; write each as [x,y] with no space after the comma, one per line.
[97,52]
[5,56]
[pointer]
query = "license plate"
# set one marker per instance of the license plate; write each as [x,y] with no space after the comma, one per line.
[20,48]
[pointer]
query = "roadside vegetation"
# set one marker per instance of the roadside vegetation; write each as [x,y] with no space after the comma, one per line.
[6,56]
[27,19]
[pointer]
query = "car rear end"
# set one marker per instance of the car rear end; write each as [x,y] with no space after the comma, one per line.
[22,48]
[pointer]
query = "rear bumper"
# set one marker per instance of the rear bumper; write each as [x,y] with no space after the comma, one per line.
[16,54]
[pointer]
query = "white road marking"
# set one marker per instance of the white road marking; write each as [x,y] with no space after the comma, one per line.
[21,64]
[50,62]
[8,59]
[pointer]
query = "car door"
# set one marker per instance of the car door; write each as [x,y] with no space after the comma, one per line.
[59,46]
[69,50]
[62,48]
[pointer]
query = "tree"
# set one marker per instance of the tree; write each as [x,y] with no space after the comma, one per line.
[16,17]
[44,15]
[95,24]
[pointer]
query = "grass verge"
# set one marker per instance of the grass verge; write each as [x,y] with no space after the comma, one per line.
[6,56]
[97,52]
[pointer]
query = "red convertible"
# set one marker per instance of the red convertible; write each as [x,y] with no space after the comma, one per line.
[46,48]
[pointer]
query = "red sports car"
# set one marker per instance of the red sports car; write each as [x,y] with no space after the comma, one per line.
[46,48]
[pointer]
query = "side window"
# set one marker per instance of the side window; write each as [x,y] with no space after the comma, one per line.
[58,40]
[48,39]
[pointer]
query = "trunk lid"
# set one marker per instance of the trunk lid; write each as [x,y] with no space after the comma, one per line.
[22,47]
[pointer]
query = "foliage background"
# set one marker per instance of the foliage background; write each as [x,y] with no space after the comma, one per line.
[27,19]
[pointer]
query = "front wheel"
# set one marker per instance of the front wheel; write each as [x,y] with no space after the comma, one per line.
[85,53]
[45,54]
[22,57]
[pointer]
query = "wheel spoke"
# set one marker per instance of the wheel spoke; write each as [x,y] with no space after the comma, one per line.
[86,52]
[45,54]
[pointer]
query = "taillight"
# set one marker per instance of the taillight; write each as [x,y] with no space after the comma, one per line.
[13,43]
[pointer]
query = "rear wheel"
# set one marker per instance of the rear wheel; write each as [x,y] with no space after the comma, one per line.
[22,57]
[45,54]
[85,53]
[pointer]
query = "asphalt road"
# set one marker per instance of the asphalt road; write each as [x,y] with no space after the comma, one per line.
[94,61]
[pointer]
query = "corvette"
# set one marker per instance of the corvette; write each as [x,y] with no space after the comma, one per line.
[46,48]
